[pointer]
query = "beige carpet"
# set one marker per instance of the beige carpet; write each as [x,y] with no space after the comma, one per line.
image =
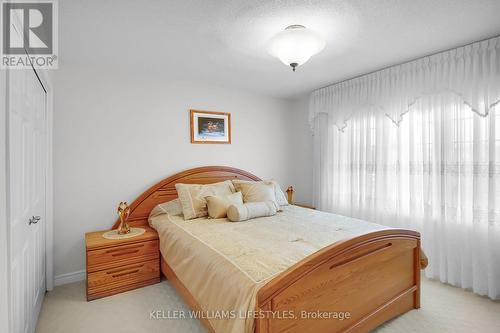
[444,309]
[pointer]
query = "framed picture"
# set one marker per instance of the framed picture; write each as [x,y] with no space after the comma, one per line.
[210,127]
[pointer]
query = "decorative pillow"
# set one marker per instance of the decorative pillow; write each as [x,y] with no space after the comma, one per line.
[192,197]
[250,210]
[218,205]
[172,207]
[257,192]
[280,196]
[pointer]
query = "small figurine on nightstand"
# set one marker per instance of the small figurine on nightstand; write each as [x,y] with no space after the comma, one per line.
[123,212]
[124,230]
[289,192]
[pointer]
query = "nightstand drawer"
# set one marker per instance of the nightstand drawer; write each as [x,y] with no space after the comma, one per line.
[117,255]
[118,279]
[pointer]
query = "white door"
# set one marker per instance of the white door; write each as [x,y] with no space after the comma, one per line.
[27,122]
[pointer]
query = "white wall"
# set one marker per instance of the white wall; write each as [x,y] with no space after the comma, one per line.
[116,135]
[301,155]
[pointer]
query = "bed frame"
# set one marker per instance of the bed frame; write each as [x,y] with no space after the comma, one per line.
[373,277]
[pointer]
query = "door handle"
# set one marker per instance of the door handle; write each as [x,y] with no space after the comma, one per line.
[34,220]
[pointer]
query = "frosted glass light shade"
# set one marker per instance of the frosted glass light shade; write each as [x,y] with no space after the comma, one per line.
[295,45]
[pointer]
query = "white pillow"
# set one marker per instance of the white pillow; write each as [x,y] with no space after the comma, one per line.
[278,193]
[250,210]
[218,205]
[172,207]
[258,192]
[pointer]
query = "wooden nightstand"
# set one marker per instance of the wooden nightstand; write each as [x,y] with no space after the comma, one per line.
[115,266]
[304,206]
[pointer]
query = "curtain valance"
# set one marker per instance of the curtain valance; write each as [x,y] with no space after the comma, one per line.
[471,72]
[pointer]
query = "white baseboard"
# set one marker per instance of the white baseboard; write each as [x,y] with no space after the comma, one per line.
[69,278]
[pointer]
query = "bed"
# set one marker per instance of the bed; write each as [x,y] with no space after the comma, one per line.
[303,270]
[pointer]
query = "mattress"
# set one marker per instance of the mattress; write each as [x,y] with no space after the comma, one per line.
[223,264]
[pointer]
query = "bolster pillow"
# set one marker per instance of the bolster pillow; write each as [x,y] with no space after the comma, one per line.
[249,210]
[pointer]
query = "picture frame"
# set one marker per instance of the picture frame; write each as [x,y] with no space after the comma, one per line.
[210,127]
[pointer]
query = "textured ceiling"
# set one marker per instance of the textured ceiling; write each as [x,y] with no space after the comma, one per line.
[222,42]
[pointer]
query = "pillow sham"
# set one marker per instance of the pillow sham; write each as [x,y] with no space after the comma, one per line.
[257,192]
[250,210]
[192,197]
[280,196]
[172,207]
[218,205]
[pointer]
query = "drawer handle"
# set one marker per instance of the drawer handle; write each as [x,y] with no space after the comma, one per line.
[124,253]
[125,248]
[124,269]
[125,273]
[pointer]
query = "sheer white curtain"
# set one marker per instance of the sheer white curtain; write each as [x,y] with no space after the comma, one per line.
[426,161]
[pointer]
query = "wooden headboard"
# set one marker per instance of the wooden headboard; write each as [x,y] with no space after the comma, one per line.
[165,190]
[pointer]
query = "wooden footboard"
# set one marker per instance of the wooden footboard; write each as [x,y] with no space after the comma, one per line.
[350,286]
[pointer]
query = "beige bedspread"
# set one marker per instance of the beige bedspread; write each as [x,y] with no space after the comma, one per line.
[223,264]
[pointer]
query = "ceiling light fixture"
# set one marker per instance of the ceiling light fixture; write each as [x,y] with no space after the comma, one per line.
[295,45]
